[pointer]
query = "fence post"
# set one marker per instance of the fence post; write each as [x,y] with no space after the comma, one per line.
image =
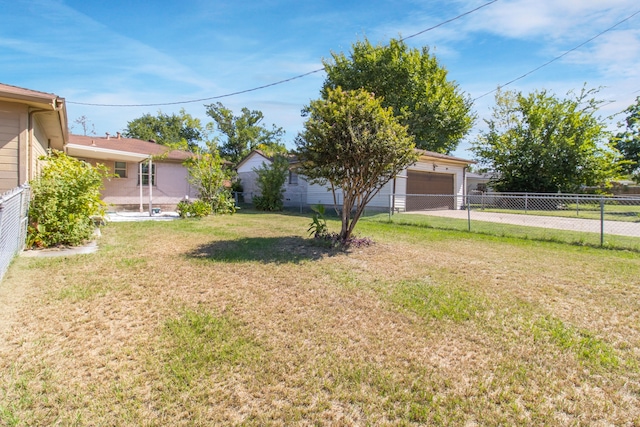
[526,202]
[468,213]
[577,203]
[601,221]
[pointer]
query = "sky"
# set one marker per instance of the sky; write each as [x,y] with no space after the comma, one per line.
[149,56]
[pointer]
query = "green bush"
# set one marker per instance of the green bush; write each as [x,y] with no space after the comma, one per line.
[64,199]
[195,209]
[270,182]
[208,173]
[223,203]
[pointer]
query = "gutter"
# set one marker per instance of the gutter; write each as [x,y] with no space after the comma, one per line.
[60,106]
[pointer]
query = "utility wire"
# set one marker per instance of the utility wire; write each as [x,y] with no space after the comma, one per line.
[557,57]
[449,20]
[275,83]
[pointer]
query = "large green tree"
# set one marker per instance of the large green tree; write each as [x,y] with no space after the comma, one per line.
[355,145]
[410,81]
[628,141]
[542,143]
[243,133]
[176,130]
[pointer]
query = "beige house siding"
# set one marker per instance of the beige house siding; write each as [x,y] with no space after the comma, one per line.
[9,142]
[39,148]
[30,121]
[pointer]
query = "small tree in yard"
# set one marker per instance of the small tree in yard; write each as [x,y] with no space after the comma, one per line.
[207,172]
[64,199]
[271,179]
[354,145]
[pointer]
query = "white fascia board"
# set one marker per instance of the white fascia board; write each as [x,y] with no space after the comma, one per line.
[91,152]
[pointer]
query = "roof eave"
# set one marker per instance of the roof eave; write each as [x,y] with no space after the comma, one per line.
[99,153]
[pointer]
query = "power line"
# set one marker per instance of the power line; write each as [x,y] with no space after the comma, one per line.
[201,99]
[558,57]
[449,20]
[275,83]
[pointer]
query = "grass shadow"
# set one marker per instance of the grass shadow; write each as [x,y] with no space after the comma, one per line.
[278,250]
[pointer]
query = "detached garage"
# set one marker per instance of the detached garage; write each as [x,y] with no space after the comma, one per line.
[430,190]
[435,181]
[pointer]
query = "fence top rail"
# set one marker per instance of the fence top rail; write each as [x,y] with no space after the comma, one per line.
[561,195]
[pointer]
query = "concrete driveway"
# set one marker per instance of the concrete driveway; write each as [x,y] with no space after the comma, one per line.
[620,228]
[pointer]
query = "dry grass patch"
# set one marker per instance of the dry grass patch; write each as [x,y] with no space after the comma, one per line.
[243,321]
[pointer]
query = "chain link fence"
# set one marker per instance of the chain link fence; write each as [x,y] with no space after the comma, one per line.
[579,218]
[574,218]
[14,215]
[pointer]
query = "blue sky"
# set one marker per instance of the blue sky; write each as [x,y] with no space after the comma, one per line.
[161,51]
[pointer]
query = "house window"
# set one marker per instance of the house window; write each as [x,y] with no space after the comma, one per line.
[120,169]
[145,174]
[293,178]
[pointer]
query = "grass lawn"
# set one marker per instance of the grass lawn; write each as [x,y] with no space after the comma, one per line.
[611,241]
[612,212]
[242,320]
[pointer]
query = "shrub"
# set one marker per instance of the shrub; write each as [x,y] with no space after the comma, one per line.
[270,181]
[64,199]
[223,203]
[195,209]
[318,226]
[320,232]
[208,173]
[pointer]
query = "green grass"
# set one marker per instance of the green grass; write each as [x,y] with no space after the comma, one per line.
[583,344]
[611,212]
[198,342]
[442,301]
[512,231]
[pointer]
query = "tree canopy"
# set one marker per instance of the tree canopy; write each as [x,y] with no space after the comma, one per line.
[355,145]
[176,130]
[243,133]
[541,143]
[413,84]
[628,141]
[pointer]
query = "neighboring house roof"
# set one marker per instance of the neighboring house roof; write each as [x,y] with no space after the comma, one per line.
[51,110]
[251,154]
[424,154]
[119,148]
[479,176]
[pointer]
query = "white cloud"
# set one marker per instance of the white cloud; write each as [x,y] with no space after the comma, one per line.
[550,19]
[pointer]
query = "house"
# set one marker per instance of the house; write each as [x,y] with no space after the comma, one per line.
[129,161]
[478,182]
[31,122]
[435,181]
